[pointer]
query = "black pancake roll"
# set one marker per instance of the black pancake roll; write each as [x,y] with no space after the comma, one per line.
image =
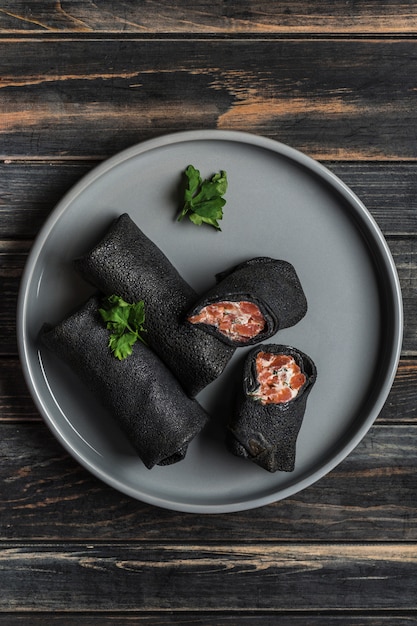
[251,302]
[128,264]
[141,393]
[277,380]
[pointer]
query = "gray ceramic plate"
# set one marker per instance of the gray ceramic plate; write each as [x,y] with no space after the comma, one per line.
[280,203]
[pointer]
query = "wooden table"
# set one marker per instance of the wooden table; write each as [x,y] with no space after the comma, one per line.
[79,82]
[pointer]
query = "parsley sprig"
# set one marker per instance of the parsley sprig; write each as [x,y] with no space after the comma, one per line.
[126,323]
[203,199]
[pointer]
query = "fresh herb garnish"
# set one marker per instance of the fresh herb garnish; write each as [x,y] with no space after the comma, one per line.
[126,323]
[203,201]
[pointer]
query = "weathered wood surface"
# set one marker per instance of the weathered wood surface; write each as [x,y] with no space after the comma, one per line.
[209,576]
[214,618]
[334,99]
[80,81]
[16,403]
[29,190]
[14,258]
[245,16]
[47,496]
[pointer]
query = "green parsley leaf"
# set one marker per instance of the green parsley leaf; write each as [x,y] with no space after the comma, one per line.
[203,201]
[126,322]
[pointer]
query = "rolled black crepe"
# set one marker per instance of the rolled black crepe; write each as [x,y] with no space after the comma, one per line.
[267,433]
[141,393]
[271,284]
[126,263]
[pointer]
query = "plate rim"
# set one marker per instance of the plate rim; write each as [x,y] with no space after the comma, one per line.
[312,165]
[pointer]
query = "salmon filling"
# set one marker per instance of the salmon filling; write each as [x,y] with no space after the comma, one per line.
[280,378]
[240,321]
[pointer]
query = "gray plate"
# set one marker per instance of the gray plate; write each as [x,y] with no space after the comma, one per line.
[280,203]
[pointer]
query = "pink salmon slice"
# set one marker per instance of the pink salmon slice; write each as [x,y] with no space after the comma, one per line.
[240,321]
[280,378]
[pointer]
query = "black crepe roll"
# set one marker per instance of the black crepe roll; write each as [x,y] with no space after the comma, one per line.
[140,392]
[127,263]
[267,433]
[271,284]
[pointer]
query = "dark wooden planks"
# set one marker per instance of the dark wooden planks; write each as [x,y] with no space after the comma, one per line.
[200,17]
[15,400]
[47,496]
[30,189]
[13,255]
[208,577]
[402,401]
[405,256]
[16,403]
[334,99]
[12,263]
[74,550]
[213,618]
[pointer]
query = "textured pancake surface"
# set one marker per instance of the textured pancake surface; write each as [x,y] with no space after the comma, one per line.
[271,284]
[141,393]
[127,263]
[267,433]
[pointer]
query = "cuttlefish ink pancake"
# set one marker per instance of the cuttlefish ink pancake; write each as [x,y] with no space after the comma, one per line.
[141,393]
[128,264]
[277,380]
[251,302]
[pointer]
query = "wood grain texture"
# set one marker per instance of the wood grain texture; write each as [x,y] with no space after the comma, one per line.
[339,99]
[200,17]
[214,618]
[13,256]
[29,190]
[47,496]
[12,263]
[81,80]
[16,403]
[208,577]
